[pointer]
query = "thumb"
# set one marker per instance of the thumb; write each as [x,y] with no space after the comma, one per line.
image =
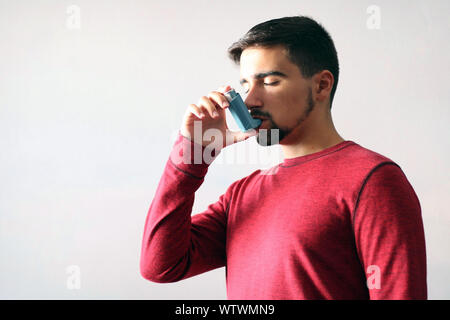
[238,136]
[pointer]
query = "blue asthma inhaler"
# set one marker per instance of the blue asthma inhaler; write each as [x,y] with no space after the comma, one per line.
[240,112]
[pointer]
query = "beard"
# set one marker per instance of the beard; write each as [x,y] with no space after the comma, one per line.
[275,133]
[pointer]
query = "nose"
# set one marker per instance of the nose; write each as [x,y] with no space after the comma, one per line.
[253,100]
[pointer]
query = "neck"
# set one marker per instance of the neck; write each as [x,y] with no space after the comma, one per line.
[315,134]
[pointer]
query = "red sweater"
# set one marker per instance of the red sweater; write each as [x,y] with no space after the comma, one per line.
[341,223]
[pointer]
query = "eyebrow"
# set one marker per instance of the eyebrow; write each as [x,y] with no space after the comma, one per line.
[265,74]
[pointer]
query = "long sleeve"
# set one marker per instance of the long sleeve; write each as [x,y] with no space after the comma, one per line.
[390,236]
[175,244]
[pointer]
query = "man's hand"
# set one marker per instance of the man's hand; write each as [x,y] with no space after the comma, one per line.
[210,110]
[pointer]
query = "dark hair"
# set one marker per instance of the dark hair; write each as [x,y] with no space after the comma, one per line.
[308,45]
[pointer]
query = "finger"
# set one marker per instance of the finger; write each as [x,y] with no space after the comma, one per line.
[209,106]
[196,110]
[224,89]
[219,99]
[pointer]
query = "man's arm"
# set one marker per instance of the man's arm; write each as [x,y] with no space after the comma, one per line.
[390,236]
[175,245]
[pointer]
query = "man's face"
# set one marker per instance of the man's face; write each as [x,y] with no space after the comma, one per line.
[276,91]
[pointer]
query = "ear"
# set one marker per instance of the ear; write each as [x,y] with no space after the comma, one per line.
[323,82]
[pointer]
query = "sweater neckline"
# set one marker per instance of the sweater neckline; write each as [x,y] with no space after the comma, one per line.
[302,159]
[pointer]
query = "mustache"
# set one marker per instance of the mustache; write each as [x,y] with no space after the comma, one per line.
[259,114]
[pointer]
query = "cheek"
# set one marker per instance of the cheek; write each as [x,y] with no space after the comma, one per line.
[286,107]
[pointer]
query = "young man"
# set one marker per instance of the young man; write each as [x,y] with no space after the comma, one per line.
[335,220]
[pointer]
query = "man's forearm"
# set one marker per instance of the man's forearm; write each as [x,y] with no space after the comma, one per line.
[167,234]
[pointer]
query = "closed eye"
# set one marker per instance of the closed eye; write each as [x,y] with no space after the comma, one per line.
[266,84]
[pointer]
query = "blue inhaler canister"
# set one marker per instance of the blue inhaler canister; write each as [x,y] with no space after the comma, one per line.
[240,112]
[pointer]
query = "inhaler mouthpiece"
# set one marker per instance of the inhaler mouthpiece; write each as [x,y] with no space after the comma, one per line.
[240,112]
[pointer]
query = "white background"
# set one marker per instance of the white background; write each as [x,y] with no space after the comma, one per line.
[87,118]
